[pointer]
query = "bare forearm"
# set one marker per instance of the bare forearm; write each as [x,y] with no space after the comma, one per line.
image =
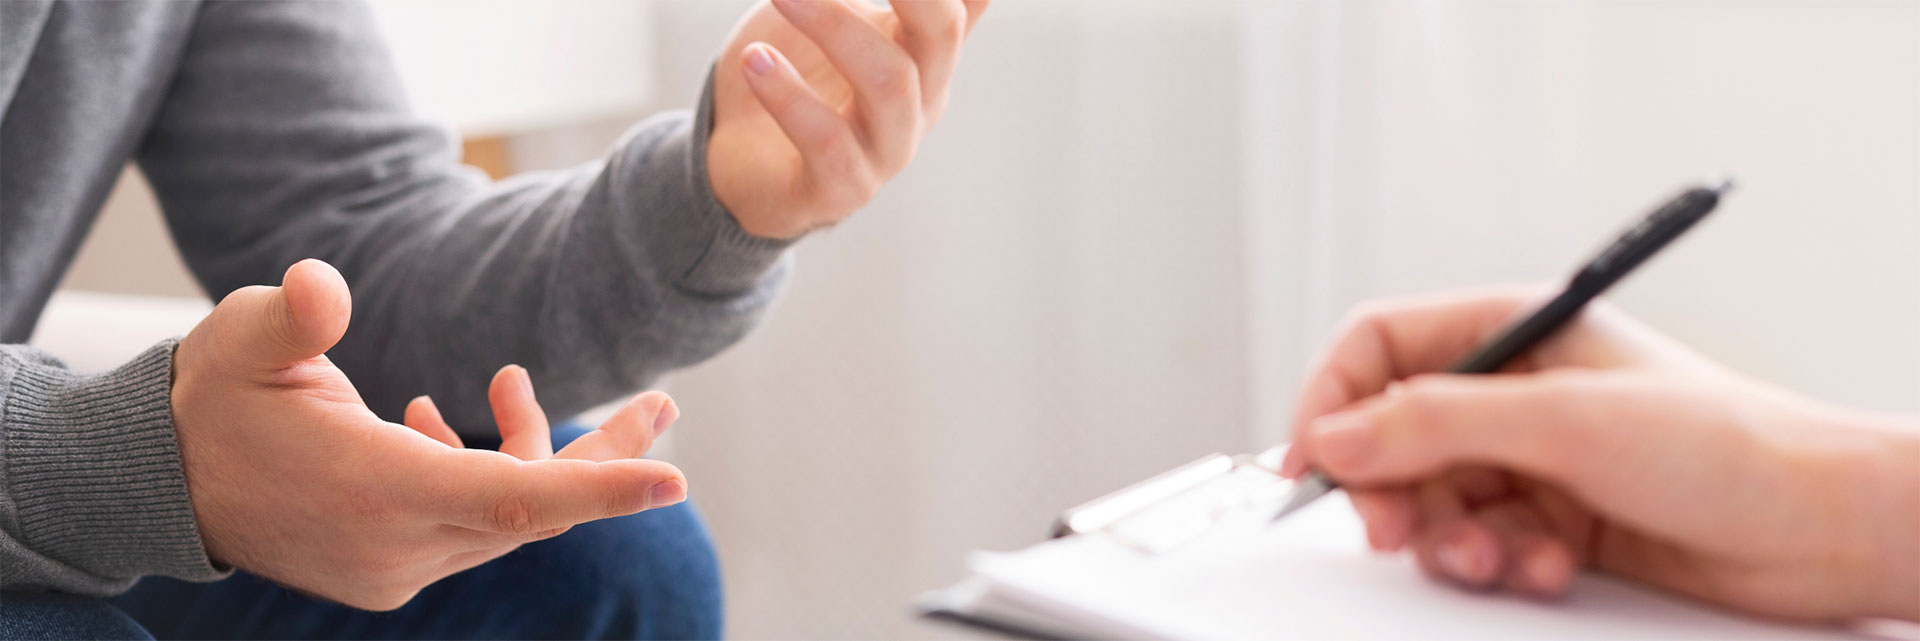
[1892,474]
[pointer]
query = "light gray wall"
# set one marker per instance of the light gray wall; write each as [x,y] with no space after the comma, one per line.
[129,250]
[1046,306]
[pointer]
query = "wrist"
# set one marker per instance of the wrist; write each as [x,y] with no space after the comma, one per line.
[94,473]
[1889,486]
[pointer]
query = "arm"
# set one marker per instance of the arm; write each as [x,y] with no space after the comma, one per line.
[285,136]
[92,495]
[1613,448]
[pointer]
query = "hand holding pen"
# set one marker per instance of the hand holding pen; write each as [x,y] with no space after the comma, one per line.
[1607,446]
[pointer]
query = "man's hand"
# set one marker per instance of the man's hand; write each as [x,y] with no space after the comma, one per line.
[294,479]
[1614,448]
[819,102]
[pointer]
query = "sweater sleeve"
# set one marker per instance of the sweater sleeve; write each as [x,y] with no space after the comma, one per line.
[285,135]
[92,494]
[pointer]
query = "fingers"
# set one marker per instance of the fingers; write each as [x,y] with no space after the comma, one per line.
[629,433]
[974,9]
[932,31]
[523,425]
[1544,425]
[886,83]
[836,162]
[1385,342]
[1464,552]
[424,417]
[270,328]
[1502,547]
[1389,515]
[532,499]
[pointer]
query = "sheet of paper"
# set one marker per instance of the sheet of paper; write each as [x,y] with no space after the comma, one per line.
[1311,576]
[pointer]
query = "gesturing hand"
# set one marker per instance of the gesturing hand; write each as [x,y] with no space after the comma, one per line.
[1610,447]
[294,479]
[525,434]
[819,102]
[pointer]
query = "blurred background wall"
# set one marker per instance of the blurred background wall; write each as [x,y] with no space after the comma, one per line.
[1139,219]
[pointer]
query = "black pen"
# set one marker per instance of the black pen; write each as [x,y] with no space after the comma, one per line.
[1615,262]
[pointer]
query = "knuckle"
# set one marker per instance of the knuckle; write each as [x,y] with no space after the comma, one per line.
[1418,405]
[781,99]
[956,29]
[612,503]
[1366,313]
[843,170]
[901,79]
[280,330]
[853,193]
[511,514]
[832,144]
[1367,319]
[950,26]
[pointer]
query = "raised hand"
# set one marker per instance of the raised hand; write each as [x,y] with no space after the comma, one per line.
[294,479]
[819,102]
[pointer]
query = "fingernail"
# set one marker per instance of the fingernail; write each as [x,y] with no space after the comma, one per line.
[1344,440]
[668,412]
[1460,558]
[759,60]
[666,493]
[526,380]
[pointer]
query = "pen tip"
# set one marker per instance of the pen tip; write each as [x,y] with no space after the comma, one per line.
[1313,486]
[1722,184]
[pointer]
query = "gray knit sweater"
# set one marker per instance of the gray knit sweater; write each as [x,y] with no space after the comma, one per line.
[273,132]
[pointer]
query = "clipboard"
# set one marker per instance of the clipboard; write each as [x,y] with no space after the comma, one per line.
[1193,553]
[1155,516]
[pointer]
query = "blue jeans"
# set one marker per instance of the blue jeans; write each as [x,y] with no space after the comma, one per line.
[648,576]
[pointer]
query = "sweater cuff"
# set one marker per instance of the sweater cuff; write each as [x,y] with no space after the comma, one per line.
[94,471]
[699,240]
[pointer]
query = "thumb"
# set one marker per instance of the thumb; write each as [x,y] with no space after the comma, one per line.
[273,327]
[1545,425]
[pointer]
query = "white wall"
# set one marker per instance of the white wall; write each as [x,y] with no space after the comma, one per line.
[1469,142]
[1038,311]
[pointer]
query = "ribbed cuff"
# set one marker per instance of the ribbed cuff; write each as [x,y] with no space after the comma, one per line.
[94,472]
[735,259]
[698,238]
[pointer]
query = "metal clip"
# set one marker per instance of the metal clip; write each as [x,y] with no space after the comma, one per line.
[1181,505]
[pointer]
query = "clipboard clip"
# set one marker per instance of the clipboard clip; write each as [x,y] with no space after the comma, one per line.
[1181,505]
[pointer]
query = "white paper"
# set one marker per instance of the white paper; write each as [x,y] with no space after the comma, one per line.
[1311,576]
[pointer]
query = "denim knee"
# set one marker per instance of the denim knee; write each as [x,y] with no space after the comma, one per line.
[43,615]
[652,575]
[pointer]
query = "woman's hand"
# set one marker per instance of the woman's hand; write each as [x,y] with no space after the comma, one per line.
[1614,448]
[819,102]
